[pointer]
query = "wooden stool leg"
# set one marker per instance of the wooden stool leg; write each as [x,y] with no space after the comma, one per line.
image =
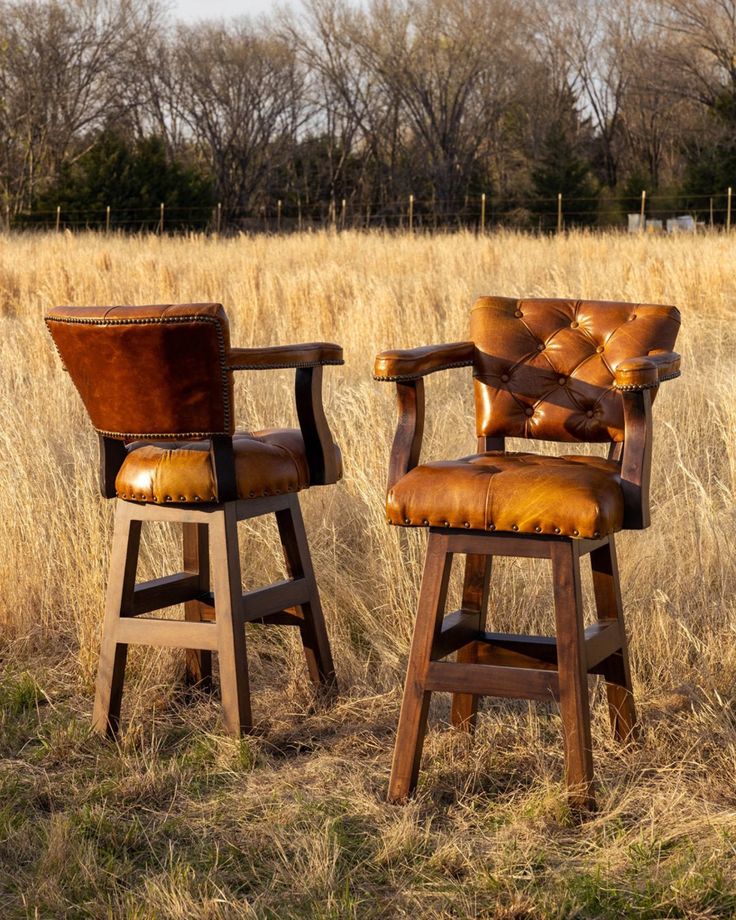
[228,592]
[197,560]
[573,675]
[475,599]
[313,630]
[618,676]
[415,704]
[119,602]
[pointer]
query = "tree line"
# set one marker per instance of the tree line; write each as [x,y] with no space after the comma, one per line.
[342,111]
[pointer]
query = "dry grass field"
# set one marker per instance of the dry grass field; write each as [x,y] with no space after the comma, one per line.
[177,820]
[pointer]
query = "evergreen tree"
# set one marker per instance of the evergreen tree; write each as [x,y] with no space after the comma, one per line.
[133,178]
[560,168]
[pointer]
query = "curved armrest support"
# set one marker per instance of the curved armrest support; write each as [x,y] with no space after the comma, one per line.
[413,363]
[322,456]
[636,461]
[311,354]
[638,379]
[407,444]
[647,372]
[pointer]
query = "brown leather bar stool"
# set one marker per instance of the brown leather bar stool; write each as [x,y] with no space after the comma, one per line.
[157,382]
[558,370]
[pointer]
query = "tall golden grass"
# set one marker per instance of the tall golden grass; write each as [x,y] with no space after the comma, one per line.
[487,835]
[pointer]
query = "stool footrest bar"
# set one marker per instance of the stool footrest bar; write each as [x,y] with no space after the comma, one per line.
[167,633]
[491,680]
[165,592]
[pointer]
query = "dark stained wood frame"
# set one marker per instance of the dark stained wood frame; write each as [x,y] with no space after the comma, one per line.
[215,619]
[534,667]
[505,665]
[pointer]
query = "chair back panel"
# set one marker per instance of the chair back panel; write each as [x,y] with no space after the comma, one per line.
[544,368]
[149,372]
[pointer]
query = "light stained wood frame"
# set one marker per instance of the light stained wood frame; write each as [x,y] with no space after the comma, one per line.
[216,613]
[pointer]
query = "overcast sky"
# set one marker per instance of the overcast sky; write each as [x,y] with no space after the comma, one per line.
[192,10]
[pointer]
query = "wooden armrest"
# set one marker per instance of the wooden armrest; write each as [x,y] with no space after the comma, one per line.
[412,363]
[311,354]
[647,372]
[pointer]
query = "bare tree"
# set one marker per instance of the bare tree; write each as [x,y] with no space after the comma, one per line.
[61,75]
[433,55]
[241,94]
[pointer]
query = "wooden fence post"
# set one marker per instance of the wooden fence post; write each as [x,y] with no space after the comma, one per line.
[161,220]
[483,213]
[278,216]
[107,219]
[641,212]
[58,217]
[411,213]
[559,212]
[728,209]
[218,219]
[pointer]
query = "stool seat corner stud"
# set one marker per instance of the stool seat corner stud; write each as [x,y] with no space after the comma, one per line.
[498,503]
[122,349]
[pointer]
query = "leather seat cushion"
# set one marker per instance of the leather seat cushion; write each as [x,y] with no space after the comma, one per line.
[573,496]
[268,462]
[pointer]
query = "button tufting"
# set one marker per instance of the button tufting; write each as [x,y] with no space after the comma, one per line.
[599,350]
[557,529]
[540,347]
[466,524]
[529,411]
[518,314]
[632,317]
[407,520]
[514,526]
[491,526]
[576,533]
[589,413]
[538,529]
[182,498]
[574,324]
[562,381]
[425,521]
[505,378]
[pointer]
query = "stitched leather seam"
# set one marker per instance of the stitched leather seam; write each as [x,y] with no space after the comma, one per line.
[270,367]
[431,370]
[154,321]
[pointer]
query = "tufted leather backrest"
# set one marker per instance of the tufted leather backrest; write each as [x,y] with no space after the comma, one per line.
[149,372]
[544,368]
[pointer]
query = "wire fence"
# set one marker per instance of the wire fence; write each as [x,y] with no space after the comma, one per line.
[481,213]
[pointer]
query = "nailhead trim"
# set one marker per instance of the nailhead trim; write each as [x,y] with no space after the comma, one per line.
[272,367]
[398,378]
[155,321]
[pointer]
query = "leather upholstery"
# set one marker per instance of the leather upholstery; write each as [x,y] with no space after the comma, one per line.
[149,372]
[561,370]
[269,462]
[571,496]
[412,363]
[164,373]
[646,373]
[312,354]
[546,368]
